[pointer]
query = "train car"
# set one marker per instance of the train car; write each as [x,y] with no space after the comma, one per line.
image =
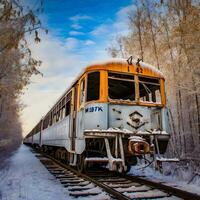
[112,114]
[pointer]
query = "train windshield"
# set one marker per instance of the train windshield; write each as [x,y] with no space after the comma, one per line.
[149,89]
[121,86]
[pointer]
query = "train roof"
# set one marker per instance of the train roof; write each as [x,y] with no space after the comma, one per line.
[121,63]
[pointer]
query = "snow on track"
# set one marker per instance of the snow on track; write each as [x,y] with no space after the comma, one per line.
[27,179]
[180,181]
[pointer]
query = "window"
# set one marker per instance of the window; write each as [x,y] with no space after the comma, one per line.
[62,110]
[62,115]
[68,104]
[38,127]
[121,86]
[82,92]
[46,121]
[51,118]
[57,113]
[149,90]
[54,116]
[93,82]
[67,108]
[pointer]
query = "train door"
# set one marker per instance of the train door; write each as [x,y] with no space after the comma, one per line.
[73,117]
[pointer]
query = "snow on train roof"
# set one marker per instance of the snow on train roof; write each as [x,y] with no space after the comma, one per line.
[124,61]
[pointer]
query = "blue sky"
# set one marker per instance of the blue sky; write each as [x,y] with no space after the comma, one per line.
[63,16]
[85,25]
[80,31]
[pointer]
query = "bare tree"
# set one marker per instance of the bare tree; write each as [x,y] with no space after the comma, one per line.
[16,66]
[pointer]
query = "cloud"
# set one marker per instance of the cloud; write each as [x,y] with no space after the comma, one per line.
[100,30]
[124,12]
[71,43]
[75,33]
[118,26]
[121,24]
[76,26]
[89,42]
[77,18]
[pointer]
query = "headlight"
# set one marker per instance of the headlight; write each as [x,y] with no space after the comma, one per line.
[138,146]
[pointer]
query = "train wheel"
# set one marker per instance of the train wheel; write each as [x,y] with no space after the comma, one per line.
[80,163]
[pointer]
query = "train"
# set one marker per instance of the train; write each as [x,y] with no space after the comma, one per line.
[113,114]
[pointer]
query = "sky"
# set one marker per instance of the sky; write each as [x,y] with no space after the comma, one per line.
[79,33]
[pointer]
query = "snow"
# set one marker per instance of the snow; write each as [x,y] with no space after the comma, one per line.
[91,188]
[146,195]
[110,130]
[154,132]
[117,130]
[136,139]
[96,159]
[126,131]
[150,67]
[152,102]
[173,175]
[124,61]
[167,159]
[25,178]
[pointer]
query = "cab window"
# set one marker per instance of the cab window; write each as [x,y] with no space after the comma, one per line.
[121,86]
[93,84]
[149,89]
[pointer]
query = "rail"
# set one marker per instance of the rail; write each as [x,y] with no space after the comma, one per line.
[113,184]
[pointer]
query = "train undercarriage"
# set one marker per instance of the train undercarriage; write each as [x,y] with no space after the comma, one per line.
[117,151]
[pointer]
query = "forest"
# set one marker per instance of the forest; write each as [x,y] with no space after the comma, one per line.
[167,35]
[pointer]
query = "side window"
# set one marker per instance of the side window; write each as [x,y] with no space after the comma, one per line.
[82,92]
[67,108]
[63,109]
[93,84]
[57,113]
[68,104]
[54,116]
[149,90]
[51,119]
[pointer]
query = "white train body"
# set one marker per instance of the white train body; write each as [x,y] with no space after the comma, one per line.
[104,119]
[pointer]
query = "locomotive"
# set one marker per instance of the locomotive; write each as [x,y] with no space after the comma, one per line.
[113,114]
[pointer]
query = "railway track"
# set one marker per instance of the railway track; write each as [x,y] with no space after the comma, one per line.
[104,185]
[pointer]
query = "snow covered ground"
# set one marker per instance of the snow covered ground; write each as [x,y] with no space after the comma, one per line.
[178,177]
[25,178]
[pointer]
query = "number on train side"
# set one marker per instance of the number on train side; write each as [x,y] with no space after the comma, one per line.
[139,70]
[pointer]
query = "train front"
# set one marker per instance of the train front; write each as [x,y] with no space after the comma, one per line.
[129,120]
